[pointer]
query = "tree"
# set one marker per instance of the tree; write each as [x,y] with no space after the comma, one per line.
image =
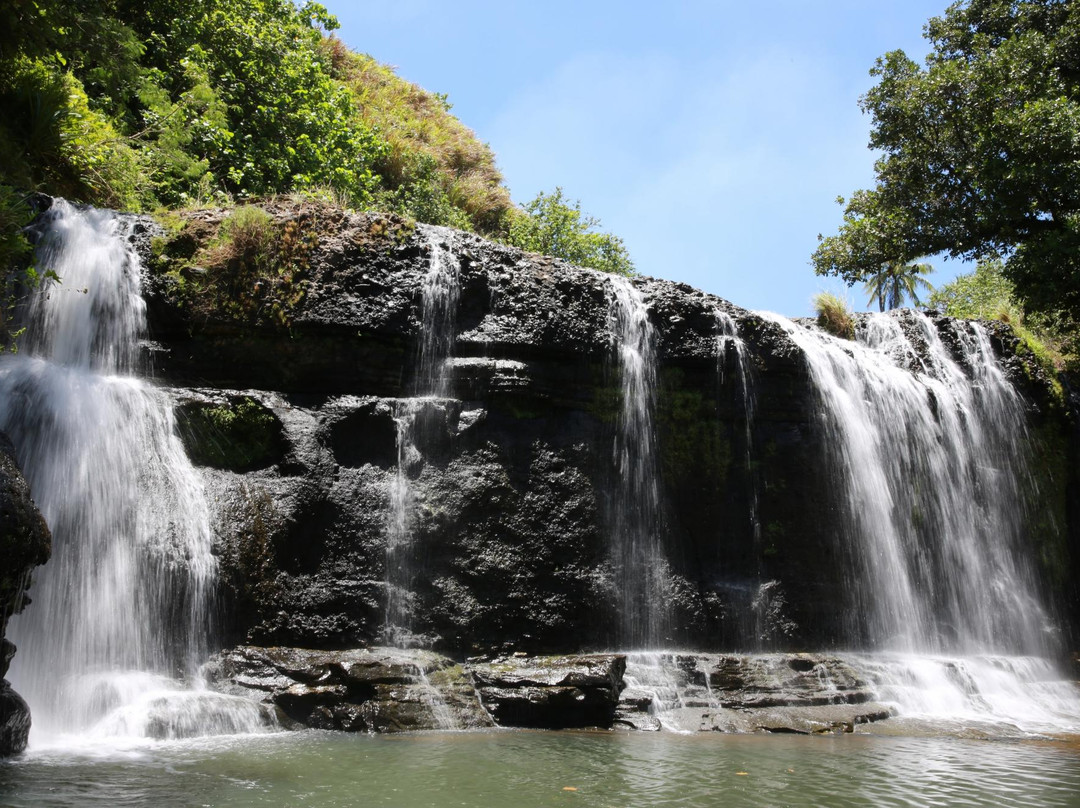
[552,225]
[895,282]
[981,152]
[985,294]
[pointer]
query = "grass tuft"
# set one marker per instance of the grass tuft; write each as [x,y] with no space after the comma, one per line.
[834,316]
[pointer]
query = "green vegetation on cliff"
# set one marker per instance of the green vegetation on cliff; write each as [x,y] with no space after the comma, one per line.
[143,104]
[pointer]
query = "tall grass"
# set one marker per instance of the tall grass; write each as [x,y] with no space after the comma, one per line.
[834,316]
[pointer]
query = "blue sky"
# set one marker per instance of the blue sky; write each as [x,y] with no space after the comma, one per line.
[712,137]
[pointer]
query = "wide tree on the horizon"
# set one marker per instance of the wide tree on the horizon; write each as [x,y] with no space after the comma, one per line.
[980,152]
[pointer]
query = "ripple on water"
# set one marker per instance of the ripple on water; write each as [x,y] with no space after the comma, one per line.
[520,769]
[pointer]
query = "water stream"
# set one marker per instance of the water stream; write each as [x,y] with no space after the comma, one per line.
[637,514]
[121,615]
[930,457]
[440,290]
[728,339]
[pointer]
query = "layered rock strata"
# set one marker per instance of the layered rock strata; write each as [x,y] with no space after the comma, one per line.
[293,405]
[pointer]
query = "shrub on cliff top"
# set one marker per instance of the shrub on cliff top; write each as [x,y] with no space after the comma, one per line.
[434,169]
[255,269]
[553,225]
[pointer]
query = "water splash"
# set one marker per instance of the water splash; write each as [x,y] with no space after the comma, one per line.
[128,591]
[1028,693]
[930,455]
[636,508]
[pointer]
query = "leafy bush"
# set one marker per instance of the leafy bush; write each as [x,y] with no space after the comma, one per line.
[51,138]
[15,252]
[834,316]
[986,294]
[551,225]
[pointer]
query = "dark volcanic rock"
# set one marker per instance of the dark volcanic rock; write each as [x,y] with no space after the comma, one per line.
[550,692]
[24,544]
[298,426]
[14,721]
[370,690]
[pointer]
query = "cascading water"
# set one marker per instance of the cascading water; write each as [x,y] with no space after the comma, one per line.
[438,311]
[929,452]
[636,509]
[124,605]
[932,469]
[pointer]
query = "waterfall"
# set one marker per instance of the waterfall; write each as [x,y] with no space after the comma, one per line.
[930,458]
[637,521]
[123,608]
[440,291]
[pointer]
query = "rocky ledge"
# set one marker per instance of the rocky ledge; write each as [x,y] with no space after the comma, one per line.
[394,690]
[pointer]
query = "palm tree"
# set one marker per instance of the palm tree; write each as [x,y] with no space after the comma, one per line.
[896,281]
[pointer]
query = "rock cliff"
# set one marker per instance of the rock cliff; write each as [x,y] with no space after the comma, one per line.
[24,544]
[293,394]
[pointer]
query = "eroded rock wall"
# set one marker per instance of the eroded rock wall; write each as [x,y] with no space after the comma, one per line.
[24,544]
[296,420]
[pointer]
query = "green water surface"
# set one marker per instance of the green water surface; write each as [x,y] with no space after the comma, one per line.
[521,769]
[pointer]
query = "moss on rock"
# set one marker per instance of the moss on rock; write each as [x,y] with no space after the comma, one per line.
[239,434]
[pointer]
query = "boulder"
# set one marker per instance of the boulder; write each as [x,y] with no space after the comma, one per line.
[551,692]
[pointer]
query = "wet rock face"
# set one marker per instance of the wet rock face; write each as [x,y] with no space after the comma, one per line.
[507,482]
[24,544]
[394,690]
[796,693]
[371,690]
[14,721]
[550,692]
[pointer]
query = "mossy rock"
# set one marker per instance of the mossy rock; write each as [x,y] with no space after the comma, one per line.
[239,434]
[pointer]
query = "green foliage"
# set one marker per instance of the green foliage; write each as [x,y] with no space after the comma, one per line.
[422,196]
[51,138]
[981,152]
[188,103]
[895,282]
[834,316]
[434,169]
[552,225]
[247,78]
[15,268]
[985,294]
[121,102]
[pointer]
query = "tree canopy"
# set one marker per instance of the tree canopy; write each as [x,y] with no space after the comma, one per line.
[553,225]
[980,152]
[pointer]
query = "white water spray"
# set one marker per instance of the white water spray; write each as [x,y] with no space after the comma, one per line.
[637,512]
[122,611]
